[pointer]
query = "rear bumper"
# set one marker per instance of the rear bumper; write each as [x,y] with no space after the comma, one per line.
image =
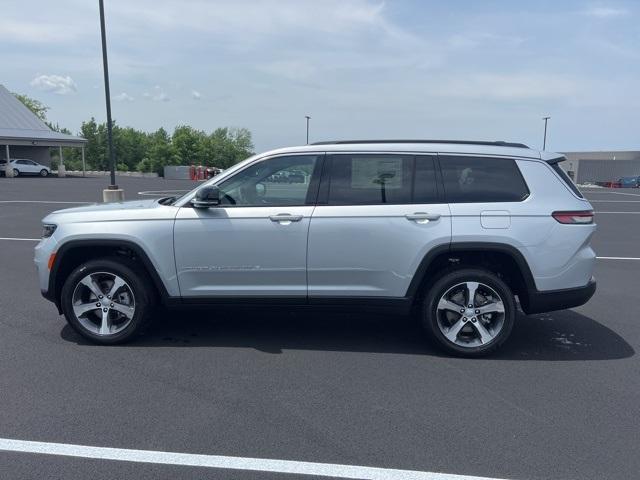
[547,301]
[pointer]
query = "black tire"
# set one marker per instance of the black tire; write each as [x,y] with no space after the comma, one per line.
[448,282]
[44,173]
[16,172]
[137,281]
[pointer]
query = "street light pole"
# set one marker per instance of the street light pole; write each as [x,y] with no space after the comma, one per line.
[112,193]
[308,118]
[544,142]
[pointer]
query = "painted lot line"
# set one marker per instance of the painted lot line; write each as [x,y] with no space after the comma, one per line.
[588,192]
[44,201]
[13,239]
[223,462]
[614,201]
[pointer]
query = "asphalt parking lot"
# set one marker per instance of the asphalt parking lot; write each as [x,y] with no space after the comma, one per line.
[560,401]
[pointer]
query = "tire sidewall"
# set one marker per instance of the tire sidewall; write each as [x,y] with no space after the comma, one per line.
[44,173]
[429,314]
[129,275]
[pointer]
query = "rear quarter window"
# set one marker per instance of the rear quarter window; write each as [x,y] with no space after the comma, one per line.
[482,179]
[565,178]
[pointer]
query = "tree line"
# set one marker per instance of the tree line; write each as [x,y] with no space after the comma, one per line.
[137,150]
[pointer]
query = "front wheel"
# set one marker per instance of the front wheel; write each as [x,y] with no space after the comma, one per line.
[16,172]
[470,312]
[107,301]
[44,173]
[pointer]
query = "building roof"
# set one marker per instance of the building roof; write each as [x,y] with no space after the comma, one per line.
[20,126]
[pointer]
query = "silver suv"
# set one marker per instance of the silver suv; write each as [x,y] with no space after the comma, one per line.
[456,230]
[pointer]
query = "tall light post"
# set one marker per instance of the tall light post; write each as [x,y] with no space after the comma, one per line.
[112,193]
[308,118]
[544,142]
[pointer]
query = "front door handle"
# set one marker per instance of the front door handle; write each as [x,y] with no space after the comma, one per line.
[285,218]
[423,217]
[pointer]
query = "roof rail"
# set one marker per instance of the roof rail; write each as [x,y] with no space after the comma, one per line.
[457,142]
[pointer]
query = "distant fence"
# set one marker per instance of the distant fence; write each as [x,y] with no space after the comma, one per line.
[99,173]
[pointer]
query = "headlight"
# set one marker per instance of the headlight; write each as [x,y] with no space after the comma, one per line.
[48,229]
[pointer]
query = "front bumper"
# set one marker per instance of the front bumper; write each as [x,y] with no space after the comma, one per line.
[547,301]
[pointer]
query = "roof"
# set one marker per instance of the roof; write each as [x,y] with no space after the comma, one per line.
[456,147]
[20,126]
[499,143]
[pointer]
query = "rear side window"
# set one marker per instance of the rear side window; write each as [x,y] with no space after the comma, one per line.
[565,178]
[482,179]
[370,179]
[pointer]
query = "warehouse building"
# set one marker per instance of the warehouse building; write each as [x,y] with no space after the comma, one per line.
[592,167]
[24,135]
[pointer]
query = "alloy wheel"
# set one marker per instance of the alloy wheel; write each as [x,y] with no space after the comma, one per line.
[470,314]
[103,303]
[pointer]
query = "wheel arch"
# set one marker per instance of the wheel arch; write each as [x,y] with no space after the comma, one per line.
[503,259]
[71,254]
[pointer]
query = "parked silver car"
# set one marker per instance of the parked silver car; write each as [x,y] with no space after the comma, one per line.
[24,166]
[456,230]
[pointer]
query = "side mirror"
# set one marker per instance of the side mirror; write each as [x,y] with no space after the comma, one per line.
[207,197]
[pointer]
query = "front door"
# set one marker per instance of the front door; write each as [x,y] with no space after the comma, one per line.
[255,243]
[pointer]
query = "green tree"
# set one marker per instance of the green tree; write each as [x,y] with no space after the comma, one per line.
[150,152]
[34,105]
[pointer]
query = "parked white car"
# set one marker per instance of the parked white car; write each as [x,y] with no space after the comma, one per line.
[23,166]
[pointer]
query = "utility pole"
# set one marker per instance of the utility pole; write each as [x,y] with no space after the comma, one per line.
[544,142]
[308,118]
[112,193]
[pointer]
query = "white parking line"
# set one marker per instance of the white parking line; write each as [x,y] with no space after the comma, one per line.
[43,201]
[618,258]
[614,193]
[20,239]
[223,462]
[160,193]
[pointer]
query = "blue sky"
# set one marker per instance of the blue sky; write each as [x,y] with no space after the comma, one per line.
[360,68]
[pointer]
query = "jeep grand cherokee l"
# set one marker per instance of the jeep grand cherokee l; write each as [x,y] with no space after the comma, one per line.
[454,229]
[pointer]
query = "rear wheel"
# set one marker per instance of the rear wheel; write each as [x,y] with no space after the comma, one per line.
[106,301]
[44,173]
[470,312]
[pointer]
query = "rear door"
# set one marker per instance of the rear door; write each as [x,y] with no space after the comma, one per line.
[377,216]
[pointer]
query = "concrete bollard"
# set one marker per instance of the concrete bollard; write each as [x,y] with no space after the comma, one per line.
[62,172]
[112,196]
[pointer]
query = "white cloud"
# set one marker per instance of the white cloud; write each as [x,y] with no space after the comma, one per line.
[605,12]
[196,95]
[55,84]
[19,31]
[244,17]
[158,94]
[508,86]
[290,69]
[123,97]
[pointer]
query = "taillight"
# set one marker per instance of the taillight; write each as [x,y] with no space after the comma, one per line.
[583,217]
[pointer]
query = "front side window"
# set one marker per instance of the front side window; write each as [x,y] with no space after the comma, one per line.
[482,179]
[370,179]
[282,180]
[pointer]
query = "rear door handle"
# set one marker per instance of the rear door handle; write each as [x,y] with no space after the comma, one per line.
[423,217]
[285,218]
